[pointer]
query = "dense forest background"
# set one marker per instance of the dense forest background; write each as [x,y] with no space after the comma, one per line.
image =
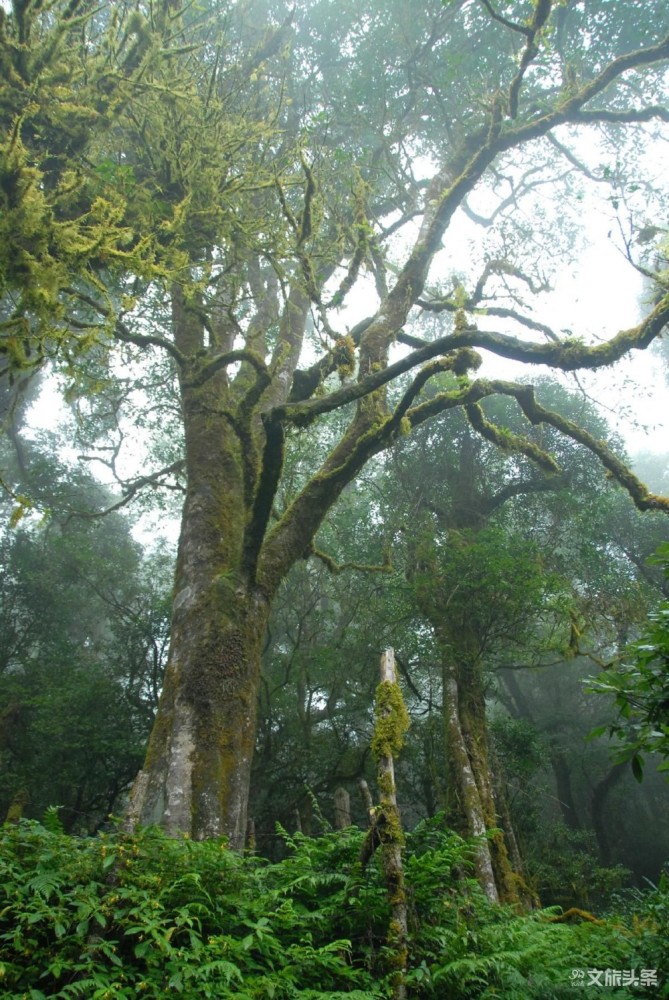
[287,390]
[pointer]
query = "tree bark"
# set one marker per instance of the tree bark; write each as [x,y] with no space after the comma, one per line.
[391,723]
[463,789]
[565,795]
[198,765]
[342,809]
[600,796]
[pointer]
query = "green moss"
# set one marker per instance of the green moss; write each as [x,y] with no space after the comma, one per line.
[392,721]
[343,356]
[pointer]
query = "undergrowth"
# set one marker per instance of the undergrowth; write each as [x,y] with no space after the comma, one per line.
[121,916]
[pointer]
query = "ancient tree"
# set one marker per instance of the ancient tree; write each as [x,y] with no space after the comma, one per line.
[195,194]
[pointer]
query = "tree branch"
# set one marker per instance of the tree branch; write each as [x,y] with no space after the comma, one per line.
[566,355]
[216,364]
[131,491]
[336,568]
[546,484]
[121,332]
[508,442]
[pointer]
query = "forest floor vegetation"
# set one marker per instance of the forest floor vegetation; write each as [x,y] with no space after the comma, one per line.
[120,916]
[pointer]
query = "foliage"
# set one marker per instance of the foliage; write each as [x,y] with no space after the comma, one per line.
[563,867]
[61,217]
[83,629]
[641,689]
[143,915]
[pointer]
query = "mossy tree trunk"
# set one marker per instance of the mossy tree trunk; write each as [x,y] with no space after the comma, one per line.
[385,830]
[233,553]
[197,770]
[466,810]
[452,596]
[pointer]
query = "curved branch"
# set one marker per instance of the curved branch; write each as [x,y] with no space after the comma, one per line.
[121,332]
[506,441]
[640,494]
[449,306]
[566,355]
[210,369]
[521,29]
[336,568]
[131,492]
[444,203]
[504,313]
[536,414]
[545,485]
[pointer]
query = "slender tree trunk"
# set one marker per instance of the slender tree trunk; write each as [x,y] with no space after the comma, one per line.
[391,723]
[463,788]
[600,797]
[565,795]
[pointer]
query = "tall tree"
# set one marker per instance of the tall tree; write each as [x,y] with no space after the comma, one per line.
[253,165]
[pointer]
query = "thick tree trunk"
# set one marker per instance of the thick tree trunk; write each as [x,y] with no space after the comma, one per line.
[197,770]
[342,809]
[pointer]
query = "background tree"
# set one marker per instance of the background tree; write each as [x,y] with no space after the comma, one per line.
[510,584]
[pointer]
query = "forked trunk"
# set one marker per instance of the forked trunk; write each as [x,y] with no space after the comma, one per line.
[197,770]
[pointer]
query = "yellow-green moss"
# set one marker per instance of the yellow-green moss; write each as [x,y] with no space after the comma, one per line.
[392,721]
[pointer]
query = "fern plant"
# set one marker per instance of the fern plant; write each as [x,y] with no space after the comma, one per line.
[146,916]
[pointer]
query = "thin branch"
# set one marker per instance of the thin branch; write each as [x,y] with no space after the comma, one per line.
[531,324]
[336,568]
[542,11]
[121,331]
[523,188]
[574,160]
[521,29]
[131,491]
